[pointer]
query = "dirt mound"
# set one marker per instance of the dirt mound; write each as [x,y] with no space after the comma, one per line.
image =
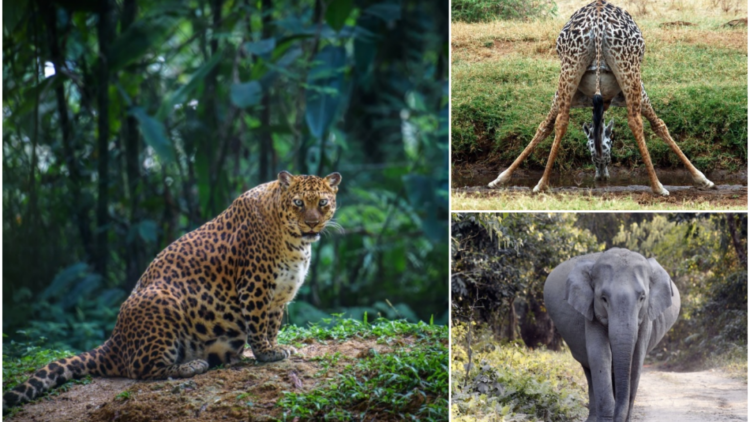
[245,391]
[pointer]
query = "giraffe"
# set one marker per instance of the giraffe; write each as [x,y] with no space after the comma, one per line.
[601,50]
[603,157]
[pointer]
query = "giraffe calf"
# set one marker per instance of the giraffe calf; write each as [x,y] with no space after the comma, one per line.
[601,161]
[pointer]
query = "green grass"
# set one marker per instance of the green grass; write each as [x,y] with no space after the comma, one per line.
[340,329]
[22,360]
[410,383]
[577,202]
[696,79]
[510,382]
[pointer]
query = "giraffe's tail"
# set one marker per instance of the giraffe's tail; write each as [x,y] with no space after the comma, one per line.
[598,122]
[96,362]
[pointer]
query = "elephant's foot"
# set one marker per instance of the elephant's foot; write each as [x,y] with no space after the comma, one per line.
[701,182]
[658,189]
[542,186]
[502,179]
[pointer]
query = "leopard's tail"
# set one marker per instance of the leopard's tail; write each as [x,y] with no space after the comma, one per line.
[96,362]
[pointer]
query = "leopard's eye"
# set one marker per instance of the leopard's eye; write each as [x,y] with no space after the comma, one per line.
[323,202]
[298,202]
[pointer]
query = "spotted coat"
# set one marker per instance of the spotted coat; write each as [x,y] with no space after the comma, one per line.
[601,50]
[211,291]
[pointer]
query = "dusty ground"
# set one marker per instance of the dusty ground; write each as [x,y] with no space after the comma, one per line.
[245,391]
[706,396]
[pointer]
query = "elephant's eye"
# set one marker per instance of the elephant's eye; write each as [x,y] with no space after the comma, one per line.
[604,299]
[323,202]
[298,202]
[642,298]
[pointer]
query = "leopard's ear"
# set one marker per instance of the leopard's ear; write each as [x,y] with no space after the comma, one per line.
[285,178]
[333,179]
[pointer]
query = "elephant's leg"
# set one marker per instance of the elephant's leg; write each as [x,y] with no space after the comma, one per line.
[639,354]
[592,408]
[600,363]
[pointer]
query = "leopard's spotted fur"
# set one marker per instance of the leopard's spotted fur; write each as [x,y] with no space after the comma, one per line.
[211,291]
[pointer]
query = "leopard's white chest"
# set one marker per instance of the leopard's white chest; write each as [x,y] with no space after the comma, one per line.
[291,275]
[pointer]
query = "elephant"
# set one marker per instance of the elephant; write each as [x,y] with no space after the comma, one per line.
[611,308]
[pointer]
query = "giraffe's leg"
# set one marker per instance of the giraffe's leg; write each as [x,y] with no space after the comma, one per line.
[571,71]
[630,82]
[658,126]
[542,132]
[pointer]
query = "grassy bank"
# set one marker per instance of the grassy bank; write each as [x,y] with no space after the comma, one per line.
[510,382]
[504,75]
[344,370]
[524,201]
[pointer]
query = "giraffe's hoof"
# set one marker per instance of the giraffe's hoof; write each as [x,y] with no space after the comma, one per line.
[502,179]
[659,190]
[542,186]
[704,184]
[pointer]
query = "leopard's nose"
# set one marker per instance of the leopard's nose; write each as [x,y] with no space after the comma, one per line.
[312,223]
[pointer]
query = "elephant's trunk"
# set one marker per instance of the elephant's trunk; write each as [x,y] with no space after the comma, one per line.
[623,333]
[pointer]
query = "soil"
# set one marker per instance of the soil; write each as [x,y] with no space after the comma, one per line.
[706,396]
[245,391]
[731,186]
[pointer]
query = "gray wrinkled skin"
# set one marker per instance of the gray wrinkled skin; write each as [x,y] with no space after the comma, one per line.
[611,308]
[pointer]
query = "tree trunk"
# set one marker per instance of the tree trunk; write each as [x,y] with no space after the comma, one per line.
[739,249]
[81,215]
[104,28]
[267,159]
[135,259]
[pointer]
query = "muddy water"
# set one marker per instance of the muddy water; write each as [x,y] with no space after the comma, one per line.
[620,179]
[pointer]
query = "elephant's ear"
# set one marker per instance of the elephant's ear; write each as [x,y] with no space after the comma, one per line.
[660,295]
[578,290]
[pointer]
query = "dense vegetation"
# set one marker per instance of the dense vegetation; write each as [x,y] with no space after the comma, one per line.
[490,10]
[504,77]
[411,383]
[501,261]
[127,124]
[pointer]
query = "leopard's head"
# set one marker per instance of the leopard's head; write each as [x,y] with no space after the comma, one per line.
[308,203]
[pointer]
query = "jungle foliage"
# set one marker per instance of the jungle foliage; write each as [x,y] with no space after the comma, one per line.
[129,123]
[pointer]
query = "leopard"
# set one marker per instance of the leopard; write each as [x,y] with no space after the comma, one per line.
[211,292]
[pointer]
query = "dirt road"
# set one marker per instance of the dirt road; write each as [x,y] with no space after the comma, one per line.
[707,396]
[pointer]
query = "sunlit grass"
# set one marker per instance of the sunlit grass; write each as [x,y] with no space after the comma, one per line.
[511,382]
[514,201]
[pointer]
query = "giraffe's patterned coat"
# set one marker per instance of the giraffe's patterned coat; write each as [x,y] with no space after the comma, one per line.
[618,77]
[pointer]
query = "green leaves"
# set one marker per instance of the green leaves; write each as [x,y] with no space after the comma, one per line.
[181,94]
[154,133]
[324,93]
[337,12]
[246,95]
[262,47]
[132,44]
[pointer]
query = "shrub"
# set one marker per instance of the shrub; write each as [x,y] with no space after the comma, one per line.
[490,10]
